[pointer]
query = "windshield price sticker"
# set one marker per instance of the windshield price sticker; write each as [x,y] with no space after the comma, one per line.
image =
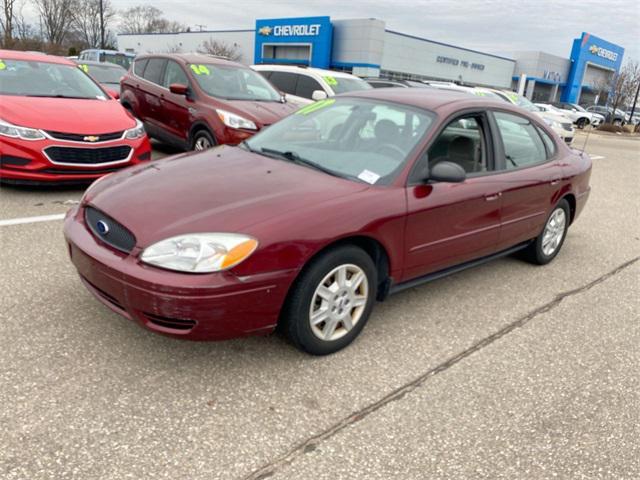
[369,177]
[2,65]
[330,80]
[200,70]
[84,68]
[315,106]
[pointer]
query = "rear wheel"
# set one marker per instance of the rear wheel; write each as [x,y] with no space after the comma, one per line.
[547,245]
[331,301]
[202,140]
[617,122]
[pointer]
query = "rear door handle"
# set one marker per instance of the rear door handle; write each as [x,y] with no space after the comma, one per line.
[491,198]
[555,181]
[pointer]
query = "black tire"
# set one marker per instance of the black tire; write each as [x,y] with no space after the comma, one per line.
[295,320]
[534,253]
[202,136]
[582,122]
[617,122]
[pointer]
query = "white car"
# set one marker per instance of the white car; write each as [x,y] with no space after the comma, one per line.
[305,85]
[560,124]
[578,115]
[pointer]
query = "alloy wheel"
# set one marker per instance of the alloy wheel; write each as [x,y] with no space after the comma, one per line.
[554,231]
[202,143]
[338,302]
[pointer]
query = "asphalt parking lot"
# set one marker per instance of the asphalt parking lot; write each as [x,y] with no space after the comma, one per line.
[505,371]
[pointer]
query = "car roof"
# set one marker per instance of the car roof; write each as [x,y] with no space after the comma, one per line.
[302,69]
[34,57]
[188,58]
[98,64]
[433,99]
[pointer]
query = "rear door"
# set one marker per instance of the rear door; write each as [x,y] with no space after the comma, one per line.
[152,91]
[451,223]
[530,174]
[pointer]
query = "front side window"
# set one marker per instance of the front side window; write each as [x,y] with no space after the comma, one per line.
[363,140]
[285,81]
[233,83]
[306,86]
[461,142]
[42,79]
[174,74]
[522,144]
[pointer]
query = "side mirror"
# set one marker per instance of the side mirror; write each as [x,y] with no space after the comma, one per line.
[574,110]
[113,93]
[178,89]
[318,95]
[449,172]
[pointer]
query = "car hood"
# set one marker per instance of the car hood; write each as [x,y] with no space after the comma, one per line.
[67,115]
[264,113]
[225,189]
[555,117]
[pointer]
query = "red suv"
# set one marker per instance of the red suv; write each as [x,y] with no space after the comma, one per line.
[59,125]
[197,101]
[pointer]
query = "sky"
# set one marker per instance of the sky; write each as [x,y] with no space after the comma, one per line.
[493,26]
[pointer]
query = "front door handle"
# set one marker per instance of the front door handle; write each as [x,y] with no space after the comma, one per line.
[555,181]
[491,198]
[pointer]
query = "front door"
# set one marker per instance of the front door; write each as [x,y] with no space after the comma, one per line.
[175,119]
[451,223]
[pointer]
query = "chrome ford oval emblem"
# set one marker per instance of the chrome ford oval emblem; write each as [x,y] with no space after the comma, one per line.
[102,227]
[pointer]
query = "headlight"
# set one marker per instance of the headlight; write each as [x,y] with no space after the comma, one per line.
[235,121]
[200,252]
[552,123]
[135,132]
[13,131]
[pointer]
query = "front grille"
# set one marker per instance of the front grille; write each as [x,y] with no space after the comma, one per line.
[88,156]
[172,323]
[73,137]
[109,231]
[97,171]
[567,126]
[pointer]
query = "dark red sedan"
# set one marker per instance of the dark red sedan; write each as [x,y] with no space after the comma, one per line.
[311,221]
[58,125]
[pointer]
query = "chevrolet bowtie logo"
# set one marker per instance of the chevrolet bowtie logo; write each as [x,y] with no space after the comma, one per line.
[91,138]
[266,31]
[593,49]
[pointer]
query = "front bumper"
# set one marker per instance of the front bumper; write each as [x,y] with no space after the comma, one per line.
[24,161]
[214,306]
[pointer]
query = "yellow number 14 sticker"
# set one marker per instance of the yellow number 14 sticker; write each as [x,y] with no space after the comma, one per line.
[200,70]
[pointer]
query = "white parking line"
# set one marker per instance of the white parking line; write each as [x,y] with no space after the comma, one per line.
[597,157]
[23,220]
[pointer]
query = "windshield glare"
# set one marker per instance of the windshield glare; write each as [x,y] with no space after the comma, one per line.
[345,84]
[106,74]
[233,83]
[354,138]
[42,79]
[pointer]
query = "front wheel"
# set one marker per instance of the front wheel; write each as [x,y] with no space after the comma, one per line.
[331,301]
[202,140]
[582,122]
[547,245]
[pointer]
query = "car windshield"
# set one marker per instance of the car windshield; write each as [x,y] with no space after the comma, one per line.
[577,107]
[346,84]
[233,83]
[105,73]
[116,58]
[43,79]
[363,140]
[524,102]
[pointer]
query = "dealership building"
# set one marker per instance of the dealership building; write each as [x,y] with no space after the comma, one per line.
[365,47]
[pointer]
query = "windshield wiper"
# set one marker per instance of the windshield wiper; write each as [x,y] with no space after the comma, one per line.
[295,158]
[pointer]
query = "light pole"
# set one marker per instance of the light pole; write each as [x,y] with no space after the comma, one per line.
[101,25]
[635,101]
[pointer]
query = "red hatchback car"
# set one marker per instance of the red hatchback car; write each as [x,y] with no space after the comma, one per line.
[197,101]
[306,224]
[59,125]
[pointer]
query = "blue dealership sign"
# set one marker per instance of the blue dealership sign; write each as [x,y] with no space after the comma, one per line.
[304,40]
[589,49]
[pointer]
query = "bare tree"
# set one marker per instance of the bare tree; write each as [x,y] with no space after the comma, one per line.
[57,18]
[220,49]
[92,28]
[147,19]
[7,21]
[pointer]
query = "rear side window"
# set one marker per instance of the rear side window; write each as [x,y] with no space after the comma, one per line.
[138,66]
[285,81]
[523,146]
[154,70]
[548,142]
[306,85]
